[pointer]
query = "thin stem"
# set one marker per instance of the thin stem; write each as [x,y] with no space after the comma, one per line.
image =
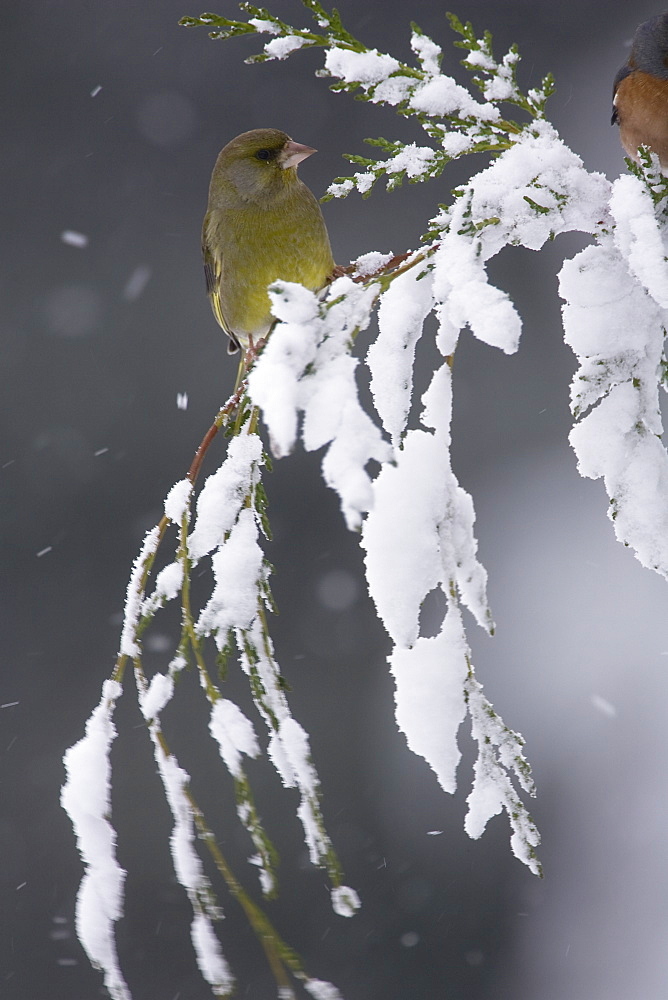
[279,956]
[222,417]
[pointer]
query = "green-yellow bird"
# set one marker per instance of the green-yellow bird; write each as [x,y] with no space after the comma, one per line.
[262,224]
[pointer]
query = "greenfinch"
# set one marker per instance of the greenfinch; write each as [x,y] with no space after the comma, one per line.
[262,224]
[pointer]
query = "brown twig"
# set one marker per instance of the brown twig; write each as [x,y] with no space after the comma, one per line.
[390,265]
[230,406]
[398,258]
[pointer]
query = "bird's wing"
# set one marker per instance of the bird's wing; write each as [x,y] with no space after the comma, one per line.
[213,269]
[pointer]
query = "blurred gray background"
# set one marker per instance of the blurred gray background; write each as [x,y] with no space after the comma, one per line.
[96,343]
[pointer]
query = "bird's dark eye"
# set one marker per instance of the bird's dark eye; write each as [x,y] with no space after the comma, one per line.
[263,154]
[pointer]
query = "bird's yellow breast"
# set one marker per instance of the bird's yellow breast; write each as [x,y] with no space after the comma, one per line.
[257,244]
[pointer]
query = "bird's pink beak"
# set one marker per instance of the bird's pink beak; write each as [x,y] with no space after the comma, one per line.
[293,153]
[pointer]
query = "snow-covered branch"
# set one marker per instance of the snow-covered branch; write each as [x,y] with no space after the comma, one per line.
[393,473]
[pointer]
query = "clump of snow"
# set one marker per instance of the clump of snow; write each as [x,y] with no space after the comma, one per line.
[403,309]
[393,90]
[499,89]
[429,696]
[224,494]
[528,194]
[280,48]
[168,585]
[440,97]
[133,600]
[364,181]
[306,368]
[369,263]
[615,320]
[266,877]
[368,68]
[500,85]
[411,494]
[638,237]
[86,797]
[210,960]
[153,699]
[602,303]
[273,382]
[613,442]
[321,990]
[279,759]
[476,57]
[339,189]
[538,167]
[436,545]
[234,734]
[261,25]
[345,901]
[428,52]
[187,863]
[295,745]
[237,568]
[412,158]
[455,143]
[466,298]
[176,502]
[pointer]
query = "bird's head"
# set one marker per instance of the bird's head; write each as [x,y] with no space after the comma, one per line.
[261,163]
[649,52]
